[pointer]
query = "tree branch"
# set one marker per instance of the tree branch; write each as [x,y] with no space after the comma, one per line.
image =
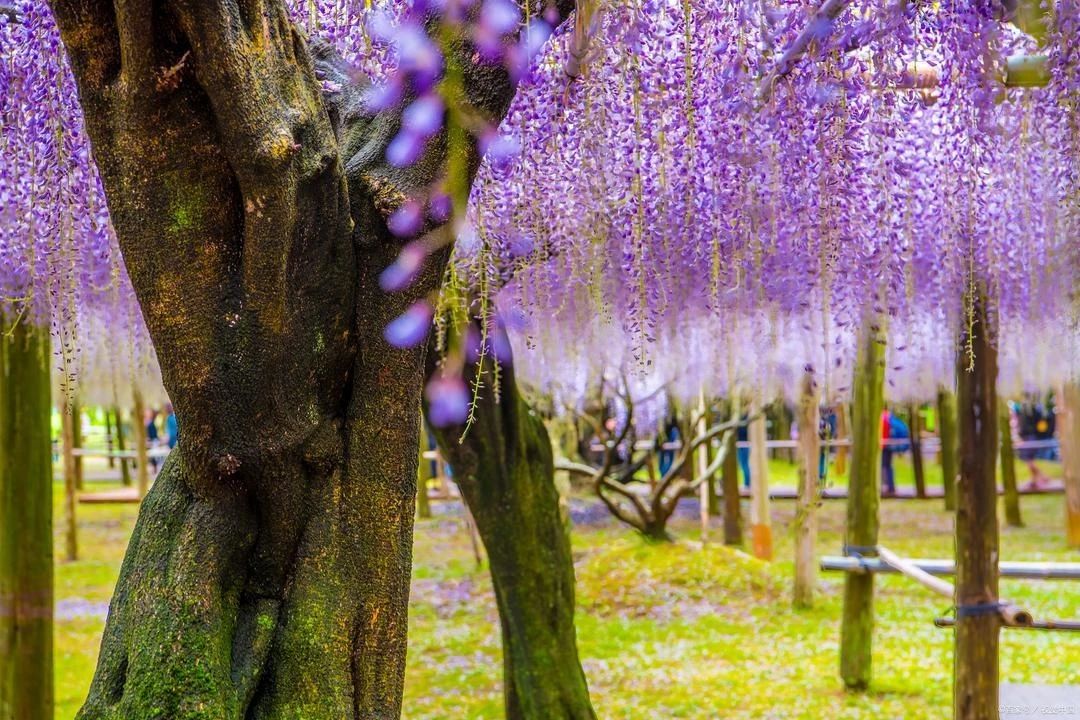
[825,14]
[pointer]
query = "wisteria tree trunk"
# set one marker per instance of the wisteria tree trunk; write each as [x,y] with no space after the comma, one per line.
[26,541]
[505,469]
[729,479]
[978,621]
[268,573]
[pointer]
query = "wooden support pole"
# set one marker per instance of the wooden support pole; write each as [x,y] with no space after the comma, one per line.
[1008,467]
[77,441]
[142,461]
[107,412]
[917,465]
[843,432]
[975,683]
[760,522]
[947,433]
[729,479]
[71,485]
[125,464]
[26,531]
[703,468]
[423,476]
[807,502]
[864,499]
[1069,433]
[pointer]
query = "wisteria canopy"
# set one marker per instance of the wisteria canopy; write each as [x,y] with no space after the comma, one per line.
[726,189]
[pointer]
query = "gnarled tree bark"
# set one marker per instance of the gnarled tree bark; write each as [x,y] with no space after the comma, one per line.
[505,469]
[268,574]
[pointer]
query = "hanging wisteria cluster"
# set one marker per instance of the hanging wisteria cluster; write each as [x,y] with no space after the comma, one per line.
[728,189]
[60,266]
[891,169]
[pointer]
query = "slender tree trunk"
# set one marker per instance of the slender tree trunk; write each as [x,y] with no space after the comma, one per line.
[71,486]
[505,469]
[268,574]
[760,520]
[947,433]
[142,456]
[807,503]
[729,479]
[121,445]
[1008,467]
[917,464]
[26,542]
[423,475]
[1069,435]
[975,693]
[864,499]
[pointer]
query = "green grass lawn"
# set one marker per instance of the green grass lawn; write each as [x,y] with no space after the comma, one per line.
[667,631]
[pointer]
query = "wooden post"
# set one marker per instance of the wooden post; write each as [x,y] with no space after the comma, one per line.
[142,464]
[807,503]
[125,464]
[864,500]
[1069,434]
[760,523]
[917,466]
[423,475]
[109,437]
[947,432]
[26,532]
[975,684]
[1008,467]
[843,432]
[702,467]
[71,484]
[77,441]
[716,508]
[729,479]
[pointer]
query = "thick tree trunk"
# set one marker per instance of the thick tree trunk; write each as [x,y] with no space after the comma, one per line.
[505,469]
[760,515]
[26,542]
[1069,435]
[729,478]
[1008,467]
[268,574]
[71,485]
[975,692]
[917,465]
[947,433]
[121,445]
[808,497]
[864,499]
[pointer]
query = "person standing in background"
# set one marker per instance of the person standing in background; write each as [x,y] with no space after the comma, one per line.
[171,429]
[888,482]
